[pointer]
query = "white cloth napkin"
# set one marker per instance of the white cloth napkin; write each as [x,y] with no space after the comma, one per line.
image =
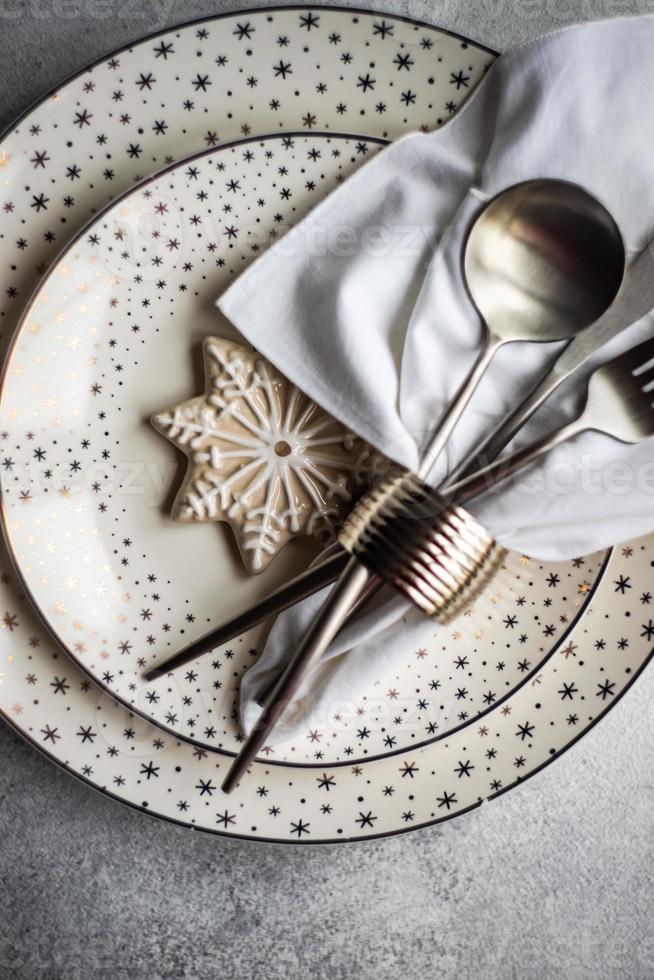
[382,334]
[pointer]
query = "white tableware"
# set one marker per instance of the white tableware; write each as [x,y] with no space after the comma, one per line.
[43,694]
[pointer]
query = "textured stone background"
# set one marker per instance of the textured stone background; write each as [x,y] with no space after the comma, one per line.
[550,881]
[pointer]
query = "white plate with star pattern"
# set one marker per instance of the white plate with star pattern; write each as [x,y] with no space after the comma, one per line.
[109,339]
[362,57]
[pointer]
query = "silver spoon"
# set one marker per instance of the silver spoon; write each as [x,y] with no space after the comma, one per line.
[542,261]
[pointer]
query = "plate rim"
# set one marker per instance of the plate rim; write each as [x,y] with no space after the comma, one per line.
[212,18]
[305,842]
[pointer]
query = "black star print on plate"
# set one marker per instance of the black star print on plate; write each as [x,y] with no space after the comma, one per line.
[43,693]
[131,294]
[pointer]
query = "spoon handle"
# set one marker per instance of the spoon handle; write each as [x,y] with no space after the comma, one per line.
[328,621]
[319,575]
[441,434]
[492,445]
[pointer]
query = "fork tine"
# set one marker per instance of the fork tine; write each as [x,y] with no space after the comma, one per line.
[645,368]
[619,395]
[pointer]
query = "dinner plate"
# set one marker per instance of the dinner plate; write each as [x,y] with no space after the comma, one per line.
[96,135]
[108,340]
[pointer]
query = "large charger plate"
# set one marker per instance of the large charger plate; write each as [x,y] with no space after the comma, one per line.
[114,120]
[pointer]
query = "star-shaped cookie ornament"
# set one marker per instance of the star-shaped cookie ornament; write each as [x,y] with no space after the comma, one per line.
[262,457]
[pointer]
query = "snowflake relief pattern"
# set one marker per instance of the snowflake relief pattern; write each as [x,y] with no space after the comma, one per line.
[262,456]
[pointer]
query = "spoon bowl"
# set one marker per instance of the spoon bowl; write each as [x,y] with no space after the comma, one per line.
[542,261]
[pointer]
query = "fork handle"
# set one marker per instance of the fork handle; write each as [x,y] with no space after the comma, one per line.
[313,579]
[326,624]
[481,481]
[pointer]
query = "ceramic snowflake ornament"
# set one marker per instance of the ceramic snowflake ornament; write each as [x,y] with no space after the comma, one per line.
[262,456]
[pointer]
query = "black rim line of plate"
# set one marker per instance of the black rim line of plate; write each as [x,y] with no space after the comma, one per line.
[102,790]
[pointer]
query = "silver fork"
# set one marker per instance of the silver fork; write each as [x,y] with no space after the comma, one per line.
[620,404]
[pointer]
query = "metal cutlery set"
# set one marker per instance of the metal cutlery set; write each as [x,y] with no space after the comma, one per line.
[542,262]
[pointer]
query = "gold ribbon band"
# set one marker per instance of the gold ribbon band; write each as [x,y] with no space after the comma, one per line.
[433,552]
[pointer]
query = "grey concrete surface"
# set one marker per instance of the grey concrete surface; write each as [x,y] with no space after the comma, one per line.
[550,881]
